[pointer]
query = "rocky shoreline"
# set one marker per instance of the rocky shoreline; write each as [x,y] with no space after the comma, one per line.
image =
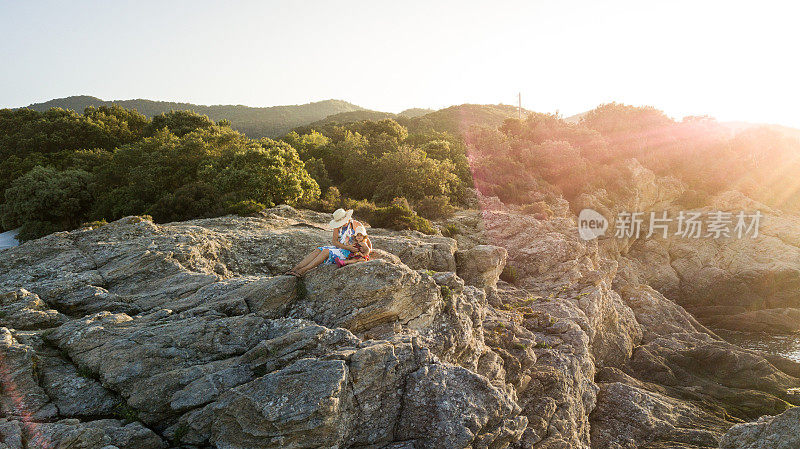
[141,335]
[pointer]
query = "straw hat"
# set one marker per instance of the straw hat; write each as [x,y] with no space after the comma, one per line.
[361,230]
[340,217]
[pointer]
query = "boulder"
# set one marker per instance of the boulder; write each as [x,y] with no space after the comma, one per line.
[629,416]
[130,266]
[305,405]
[102,433]
[376,299]
[656,315]
[364,295]
[324,387]
[452,407]
[481,265]
[148,360]
[553,263]
[456,334]
[768,432]
[21,309]
[546,359]
[417,250]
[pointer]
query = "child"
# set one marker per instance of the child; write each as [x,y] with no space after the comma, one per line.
[363,245]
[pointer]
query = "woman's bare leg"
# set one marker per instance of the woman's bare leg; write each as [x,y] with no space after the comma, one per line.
[317,260]
[306,260]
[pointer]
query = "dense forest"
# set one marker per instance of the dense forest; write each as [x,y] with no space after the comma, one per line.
[60,169]
[544,156]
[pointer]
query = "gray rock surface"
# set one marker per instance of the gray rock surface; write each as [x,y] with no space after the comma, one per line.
[21,309]
[745,284]
[768,432]
[188,336]
[631,415]
[481,265]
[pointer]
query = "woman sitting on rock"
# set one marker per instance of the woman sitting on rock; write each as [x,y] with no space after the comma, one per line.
[344,229]
[363,247]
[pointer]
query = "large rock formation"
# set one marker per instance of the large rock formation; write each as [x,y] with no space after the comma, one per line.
[183,330]
[135,334]
[746,284]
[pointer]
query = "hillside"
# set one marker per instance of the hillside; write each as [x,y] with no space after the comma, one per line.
[352,116]
[575,118]
[455,120]
[458,119]
[254,122]
[415,112]
[367,114]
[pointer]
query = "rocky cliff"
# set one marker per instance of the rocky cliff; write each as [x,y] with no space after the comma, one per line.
[138,335]
[747,284]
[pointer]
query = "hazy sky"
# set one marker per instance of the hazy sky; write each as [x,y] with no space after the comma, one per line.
[729,59]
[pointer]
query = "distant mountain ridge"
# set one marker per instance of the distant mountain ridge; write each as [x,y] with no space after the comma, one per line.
[255,122]
[276,121]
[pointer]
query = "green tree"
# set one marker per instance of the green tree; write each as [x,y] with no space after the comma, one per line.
[45,200]
[398,215]
[378,160]
[23,131]
[201,173]
[29,138]
[310,145]
[197,199]
[179,123]
[268,171]
[409,173]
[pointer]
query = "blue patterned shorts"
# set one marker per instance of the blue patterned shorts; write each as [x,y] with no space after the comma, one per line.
[333,254]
